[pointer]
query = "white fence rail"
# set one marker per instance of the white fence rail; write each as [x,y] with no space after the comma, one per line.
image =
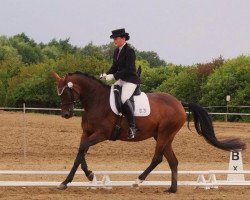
[106,182]
[58,109]
[205,172]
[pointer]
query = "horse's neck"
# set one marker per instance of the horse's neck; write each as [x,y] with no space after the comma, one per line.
[93,94]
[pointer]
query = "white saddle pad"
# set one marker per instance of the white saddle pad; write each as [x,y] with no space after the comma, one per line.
[142,107]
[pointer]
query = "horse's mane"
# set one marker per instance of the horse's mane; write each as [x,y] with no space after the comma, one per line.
[89,76]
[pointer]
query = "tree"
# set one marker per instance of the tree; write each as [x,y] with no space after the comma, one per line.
[152,78]
[152,58]
[93,51]
[108,50]
[25,73]
[51,52]
[205,69]
[33,86]
[184,85]
[26,48]
[10,65]
[233,79]
[63,46]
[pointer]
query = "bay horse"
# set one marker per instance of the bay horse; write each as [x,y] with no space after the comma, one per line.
[165,120]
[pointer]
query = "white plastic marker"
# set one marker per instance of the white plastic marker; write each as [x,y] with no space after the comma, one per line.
[235,164]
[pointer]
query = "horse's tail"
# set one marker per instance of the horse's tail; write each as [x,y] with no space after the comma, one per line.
[204,126]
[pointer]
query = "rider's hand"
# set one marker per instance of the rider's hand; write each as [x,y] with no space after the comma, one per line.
[109,77]
[103,76]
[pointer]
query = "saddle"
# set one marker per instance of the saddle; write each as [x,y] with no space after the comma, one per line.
[139,101]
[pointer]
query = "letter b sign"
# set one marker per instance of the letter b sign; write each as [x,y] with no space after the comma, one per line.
[235,155]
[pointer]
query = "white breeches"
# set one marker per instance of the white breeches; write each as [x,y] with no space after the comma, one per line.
[127,89]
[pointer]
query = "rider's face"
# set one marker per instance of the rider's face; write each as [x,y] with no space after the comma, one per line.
[119,41]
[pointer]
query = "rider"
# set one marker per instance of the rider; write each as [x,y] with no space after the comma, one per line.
[124,71]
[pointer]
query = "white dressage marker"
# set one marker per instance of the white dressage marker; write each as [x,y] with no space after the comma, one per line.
[235,164]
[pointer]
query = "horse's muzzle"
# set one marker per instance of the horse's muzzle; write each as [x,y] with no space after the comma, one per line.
[67,114]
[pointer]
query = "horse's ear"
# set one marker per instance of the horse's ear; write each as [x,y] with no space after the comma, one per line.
[66,77]
[56,76]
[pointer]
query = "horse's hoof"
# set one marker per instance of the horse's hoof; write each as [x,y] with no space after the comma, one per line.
[171,190]
[62,187]
[91,176]
[137,183]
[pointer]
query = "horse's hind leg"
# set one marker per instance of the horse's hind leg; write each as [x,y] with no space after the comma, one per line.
[157,159]
[163,147]
[173,164]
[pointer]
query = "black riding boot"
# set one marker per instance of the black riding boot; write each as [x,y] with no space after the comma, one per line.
[129,113]
[118,101]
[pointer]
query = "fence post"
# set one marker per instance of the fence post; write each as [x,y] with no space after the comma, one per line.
[24,133]
[227,100]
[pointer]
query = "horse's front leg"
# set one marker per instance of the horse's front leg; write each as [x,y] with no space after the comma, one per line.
[86,142]
[89,174]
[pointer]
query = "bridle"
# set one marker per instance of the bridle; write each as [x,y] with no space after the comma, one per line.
[71,88]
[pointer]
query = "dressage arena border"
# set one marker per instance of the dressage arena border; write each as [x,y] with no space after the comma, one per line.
[106,182]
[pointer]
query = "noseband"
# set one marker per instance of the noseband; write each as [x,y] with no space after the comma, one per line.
[69,85]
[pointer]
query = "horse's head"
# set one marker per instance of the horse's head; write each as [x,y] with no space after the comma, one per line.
[69,92]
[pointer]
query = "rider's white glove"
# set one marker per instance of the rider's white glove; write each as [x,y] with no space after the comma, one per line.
[109,77]
[103,76]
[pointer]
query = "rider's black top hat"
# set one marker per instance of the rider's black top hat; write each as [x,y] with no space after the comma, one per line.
[120,33]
